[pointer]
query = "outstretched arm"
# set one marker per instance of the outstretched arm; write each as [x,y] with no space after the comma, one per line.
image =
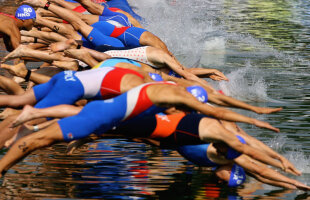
[272,176]
[257,144]
[183,97]
[214,74]
[212,129]
[229,101]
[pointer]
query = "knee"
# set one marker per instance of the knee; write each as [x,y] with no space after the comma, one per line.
[77,25]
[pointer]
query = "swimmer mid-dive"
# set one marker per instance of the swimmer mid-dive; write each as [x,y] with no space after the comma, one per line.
[227,164]
[103,33]
[192,134]
[69,86]
[21,70]
[100,116]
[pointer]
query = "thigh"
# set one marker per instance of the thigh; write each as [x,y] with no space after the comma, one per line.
[131,37]
[97,38]
[96,117]
[41,90]
[64,91]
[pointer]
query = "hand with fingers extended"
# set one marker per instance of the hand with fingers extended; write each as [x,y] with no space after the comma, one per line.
[289,167]
[266,125]
[218,76]
[301,186]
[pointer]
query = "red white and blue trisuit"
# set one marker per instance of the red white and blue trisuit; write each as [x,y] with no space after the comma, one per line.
[100,116]
[69,86]
[106,34]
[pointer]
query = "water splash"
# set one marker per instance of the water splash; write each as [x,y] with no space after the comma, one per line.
[246,84]
[293,154]
[182,25]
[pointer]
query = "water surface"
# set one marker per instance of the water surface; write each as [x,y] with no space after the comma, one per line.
[262,46]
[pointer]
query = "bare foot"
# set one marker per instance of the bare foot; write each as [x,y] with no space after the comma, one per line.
[16,70]
[10,141]
[8,112]
[44,13]
[80,54]
[35,3]
[73,65]
[26,39]
[27,33]
[28,113]
[18,52]
[20,132]
[267,110]
[61,46]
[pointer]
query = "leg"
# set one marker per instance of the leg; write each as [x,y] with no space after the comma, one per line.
[31,40]
[24,51]
[63,29]
[65,65]
[66,4]
[69,16]
[16,101]
[83,55]
[61,46]
[30,113]
[10,86]
[28,144]
[20,70]
[93,35]
[6,131]
[47,36]
[8,112]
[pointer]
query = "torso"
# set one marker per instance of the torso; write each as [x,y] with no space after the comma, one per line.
[103,83]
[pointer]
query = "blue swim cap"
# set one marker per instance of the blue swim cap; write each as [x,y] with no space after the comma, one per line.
[198,92]
[156,77]
[237,176]
[231,153]
[25,12]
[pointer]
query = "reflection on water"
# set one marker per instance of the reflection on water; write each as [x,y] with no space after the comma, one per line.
[262,46]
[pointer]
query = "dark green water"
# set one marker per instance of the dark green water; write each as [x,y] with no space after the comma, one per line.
[262,46]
